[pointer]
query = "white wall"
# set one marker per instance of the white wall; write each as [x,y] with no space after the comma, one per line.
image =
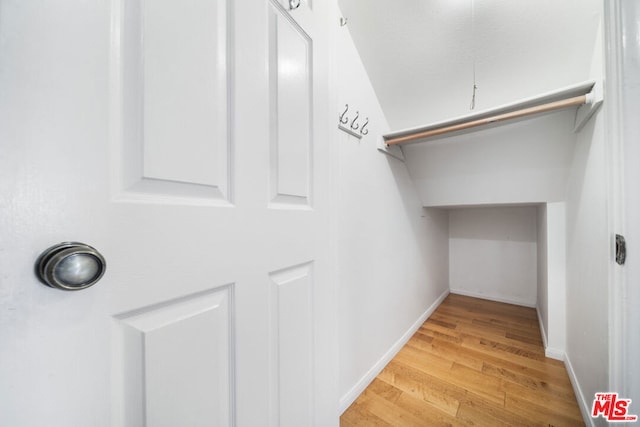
[587,264]
[551,299]
[588,258]
[421,55]
[522,162]
[493,253]
[393,254]
[542,304]
[556,292]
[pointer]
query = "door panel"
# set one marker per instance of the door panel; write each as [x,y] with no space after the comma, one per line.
[292,106]
[174,362]
[172,110]
[184,91]
[292,337]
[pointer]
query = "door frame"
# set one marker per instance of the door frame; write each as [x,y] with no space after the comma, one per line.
[621,176]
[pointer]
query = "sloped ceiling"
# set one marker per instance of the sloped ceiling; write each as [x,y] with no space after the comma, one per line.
[420,54]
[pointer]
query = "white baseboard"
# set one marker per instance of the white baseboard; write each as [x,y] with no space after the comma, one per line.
[372,373]
[513,301]
[542,331]
[550,352]
[585,407]
[554,353]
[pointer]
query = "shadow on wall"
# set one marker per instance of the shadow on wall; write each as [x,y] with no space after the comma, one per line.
[496,223]
[433,221]
[576,181]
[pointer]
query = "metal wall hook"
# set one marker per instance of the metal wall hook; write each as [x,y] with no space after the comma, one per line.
[343,21]
[294,4]
[343,118]
[354,126]
[362,130]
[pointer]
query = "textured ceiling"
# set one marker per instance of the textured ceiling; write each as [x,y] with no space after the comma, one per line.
[420,54]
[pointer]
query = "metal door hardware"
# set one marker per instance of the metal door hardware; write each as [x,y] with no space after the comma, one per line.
[621,249]
[70,266]
[294,4]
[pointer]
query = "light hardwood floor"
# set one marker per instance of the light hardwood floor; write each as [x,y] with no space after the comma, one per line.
[473,362]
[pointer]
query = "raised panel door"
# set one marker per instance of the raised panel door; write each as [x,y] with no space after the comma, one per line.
[187,141]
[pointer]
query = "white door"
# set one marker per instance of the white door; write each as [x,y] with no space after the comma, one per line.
[187,141]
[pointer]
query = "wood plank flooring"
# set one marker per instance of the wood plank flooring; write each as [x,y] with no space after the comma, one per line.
[473,362]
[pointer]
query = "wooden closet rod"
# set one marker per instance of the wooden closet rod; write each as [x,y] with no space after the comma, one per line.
[557,105]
